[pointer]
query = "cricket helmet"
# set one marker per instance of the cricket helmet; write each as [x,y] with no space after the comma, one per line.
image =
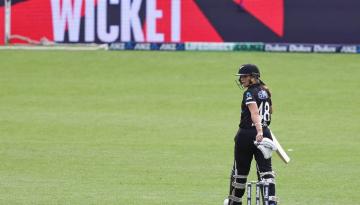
[249,69]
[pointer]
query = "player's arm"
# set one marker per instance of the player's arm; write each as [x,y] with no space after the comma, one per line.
[256,118]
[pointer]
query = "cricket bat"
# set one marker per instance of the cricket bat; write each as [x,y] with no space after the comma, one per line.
[280,151]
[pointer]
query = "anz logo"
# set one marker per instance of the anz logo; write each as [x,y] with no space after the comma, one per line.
[262,94]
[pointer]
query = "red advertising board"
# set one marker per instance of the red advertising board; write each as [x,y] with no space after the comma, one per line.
[108,21]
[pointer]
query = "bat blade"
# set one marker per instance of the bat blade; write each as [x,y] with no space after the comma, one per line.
[280,150]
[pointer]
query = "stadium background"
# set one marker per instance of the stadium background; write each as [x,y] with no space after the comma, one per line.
[274,21]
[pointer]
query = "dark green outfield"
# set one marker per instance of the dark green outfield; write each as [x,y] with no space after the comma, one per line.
[151,128]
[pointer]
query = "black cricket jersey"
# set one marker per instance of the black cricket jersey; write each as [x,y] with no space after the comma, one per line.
[256,94]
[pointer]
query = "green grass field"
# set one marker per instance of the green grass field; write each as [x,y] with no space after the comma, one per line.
[151,128]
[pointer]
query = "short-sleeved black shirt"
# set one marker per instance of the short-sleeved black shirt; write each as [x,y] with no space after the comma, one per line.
[256,94]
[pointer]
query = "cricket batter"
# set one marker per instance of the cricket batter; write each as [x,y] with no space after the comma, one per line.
[256,110]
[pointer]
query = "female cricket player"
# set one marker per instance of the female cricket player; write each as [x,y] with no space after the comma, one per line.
[256,110]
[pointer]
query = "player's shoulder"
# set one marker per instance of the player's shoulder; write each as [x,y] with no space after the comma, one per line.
[248,96]
[252,90]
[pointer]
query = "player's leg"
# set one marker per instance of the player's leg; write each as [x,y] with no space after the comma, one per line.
[243,155]
[237,186]
[265,172]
